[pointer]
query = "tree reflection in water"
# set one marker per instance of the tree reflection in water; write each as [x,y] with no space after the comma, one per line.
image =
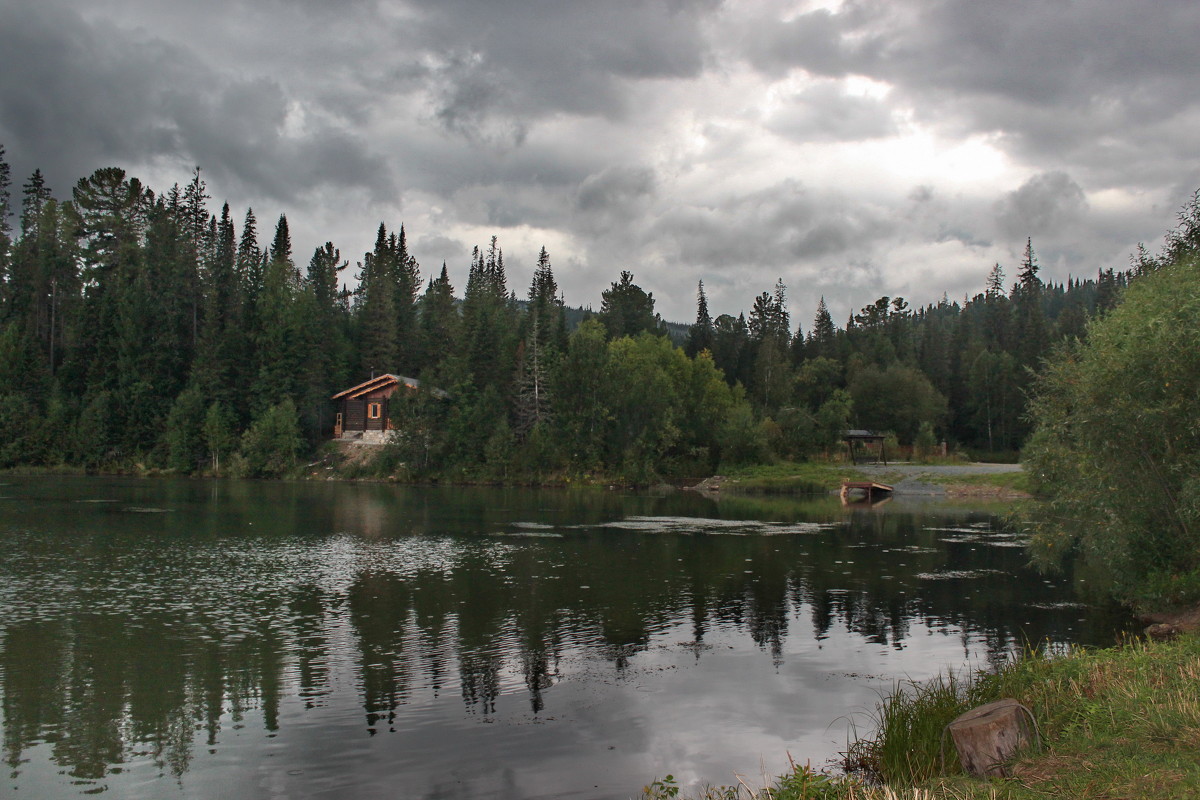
[129,637]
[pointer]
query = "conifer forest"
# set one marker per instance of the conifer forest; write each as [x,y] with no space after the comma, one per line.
[147,330]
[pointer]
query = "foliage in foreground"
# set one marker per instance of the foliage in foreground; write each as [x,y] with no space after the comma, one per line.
[802,783]
[1119,722]
[1116,444]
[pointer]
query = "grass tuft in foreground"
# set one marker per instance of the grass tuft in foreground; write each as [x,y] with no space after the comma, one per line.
[802,783]
[908,747]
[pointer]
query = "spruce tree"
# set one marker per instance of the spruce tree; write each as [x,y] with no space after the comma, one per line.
[112,212]
[282,347]
[218,352]
[626,309]
[250,276]
[995,281]
[43,292]
[489,325]
[731,340]
[440,324]
[823,332]
[545,307]
[1031,329]
[407,278]
[326,333]
[543,334]
[35,194]
[375,309]
[700,335]
[533,397]
[770,340]
[1028,276]
[249,258]
[5,214]
[780,318]
[798,346]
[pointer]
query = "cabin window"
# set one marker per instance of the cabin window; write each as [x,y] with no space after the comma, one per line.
[374,410]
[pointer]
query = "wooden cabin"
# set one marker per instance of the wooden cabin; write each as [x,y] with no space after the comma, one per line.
[363,411]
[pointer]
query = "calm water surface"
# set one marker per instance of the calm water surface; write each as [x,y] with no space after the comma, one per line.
[189,639]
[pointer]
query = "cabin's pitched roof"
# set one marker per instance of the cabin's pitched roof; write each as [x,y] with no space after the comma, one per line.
[379,382]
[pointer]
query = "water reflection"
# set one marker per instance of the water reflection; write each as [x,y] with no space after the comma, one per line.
[133,638]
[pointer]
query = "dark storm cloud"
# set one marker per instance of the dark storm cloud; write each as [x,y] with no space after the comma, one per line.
[612,201]
[439,249]
[777,228]
[1049,202]
[77,97]
[499,66]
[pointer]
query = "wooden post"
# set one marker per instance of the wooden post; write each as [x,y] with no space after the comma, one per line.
[988,737]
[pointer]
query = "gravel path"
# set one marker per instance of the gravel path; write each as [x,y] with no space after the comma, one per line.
[914,478]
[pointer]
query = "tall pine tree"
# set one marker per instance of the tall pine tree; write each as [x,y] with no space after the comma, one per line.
[700,335]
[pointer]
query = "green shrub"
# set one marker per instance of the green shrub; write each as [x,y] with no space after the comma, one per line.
[1116,445]
[925,442]
[271,444]
[184,434]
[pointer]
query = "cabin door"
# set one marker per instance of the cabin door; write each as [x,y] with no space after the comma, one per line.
[356,415]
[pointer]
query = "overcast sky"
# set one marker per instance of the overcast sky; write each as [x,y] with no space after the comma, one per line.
[857,149]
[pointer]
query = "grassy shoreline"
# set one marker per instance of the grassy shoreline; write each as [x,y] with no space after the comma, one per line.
[1115,723]
[782,478]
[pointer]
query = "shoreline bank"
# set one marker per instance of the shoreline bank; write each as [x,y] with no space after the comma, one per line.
[1113,722]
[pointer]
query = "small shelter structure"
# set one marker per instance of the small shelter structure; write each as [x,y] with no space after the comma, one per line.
[859,446]
[364,411]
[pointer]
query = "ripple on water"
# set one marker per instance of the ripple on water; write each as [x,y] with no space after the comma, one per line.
[727,527]
[958,574]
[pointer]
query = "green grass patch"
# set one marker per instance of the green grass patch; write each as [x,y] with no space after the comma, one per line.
[1010,481]
[788,477]
[907,746]
[802,783]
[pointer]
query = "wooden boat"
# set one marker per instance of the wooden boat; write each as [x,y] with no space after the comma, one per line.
[860,491]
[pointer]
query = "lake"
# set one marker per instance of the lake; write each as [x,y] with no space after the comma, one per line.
[200,639]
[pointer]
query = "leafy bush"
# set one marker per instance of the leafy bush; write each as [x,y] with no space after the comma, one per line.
[1116,444]
[270,445]
[925,443]
[896,399]
[184,434]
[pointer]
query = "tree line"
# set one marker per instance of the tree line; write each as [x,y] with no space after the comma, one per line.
[143,330]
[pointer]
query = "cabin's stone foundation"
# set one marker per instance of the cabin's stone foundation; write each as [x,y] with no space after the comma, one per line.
[364,437]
